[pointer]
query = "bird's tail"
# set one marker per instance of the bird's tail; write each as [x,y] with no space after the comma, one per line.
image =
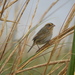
[31,47]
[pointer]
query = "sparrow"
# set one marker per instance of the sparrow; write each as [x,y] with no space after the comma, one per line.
[43,36]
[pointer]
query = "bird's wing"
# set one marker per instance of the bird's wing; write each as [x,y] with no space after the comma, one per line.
[41,34]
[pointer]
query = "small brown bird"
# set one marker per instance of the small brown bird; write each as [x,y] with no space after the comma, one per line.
[44,35]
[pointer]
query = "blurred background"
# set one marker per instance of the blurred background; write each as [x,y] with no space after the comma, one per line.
[30,18]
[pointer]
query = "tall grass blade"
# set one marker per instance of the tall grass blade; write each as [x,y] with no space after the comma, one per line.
[72,61]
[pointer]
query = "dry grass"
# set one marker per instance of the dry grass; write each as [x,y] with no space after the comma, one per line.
[12,58]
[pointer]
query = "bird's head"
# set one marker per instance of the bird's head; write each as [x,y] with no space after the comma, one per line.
[49,25]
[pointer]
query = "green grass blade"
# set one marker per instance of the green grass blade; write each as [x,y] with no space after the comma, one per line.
[72,61]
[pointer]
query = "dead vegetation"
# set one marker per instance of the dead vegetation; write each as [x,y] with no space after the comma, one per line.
[14,54]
